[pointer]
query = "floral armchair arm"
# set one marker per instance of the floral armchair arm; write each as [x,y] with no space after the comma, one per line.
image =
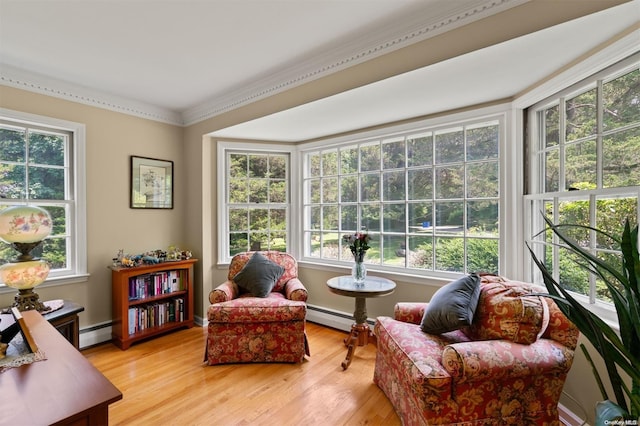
[295,290]
[228,290]
[410,312]
[500,359]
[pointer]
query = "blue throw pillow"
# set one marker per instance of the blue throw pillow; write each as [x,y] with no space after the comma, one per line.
[452,307]
[258,276]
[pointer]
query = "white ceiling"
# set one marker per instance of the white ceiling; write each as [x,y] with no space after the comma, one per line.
[182,61]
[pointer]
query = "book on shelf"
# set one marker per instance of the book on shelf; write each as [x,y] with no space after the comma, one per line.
[156,284]
[155,315]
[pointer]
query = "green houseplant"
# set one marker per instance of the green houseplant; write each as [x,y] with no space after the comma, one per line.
[620,351]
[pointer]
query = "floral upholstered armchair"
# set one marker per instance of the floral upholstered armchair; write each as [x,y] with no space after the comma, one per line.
[504,364]
[258,314]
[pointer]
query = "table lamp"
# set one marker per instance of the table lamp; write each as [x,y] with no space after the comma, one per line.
[24,227]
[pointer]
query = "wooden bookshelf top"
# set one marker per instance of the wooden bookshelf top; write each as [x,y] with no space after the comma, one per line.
[177,264]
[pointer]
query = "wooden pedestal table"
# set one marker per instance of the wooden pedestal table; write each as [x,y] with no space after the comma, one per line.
[372,287]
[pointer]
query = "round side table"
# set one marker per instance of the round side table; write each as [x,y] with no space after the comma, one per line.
[372,287]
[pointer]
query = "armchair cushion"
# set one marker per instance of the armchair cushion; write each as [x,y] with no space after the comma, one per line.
[259,275]
[508,310]
[452,306]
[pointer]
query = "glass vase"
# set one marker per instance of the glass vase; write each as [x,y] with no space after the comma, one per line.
[359,270]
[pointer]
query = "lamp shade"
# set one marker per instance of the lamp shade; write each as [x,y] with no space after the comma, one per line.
[24,224]
[23,275]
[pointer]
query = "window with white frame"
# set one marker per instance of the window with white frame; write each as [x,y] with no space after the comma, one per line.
[256,200]
[42,164]
[584,154]
[429,199]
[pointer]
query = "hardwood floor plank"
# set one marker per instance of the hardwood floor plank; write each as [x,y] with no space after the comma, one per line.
[164,381]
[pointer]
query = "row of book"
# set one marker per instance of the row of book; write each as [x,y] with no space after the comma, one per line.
[155,284]
[155,314]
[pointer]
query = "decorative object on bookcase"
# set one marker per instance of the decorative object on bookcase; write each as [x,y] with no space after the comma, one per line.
[24,227]
[151,299]
[150,257]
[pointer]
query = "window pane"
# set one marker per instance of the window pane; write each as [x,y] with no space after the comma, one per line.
[46,148]
[581,116]
[621,103]
[330,163]
[330,190]
[258,219]
[349,160]
[393,185]
[258,191]
[420,215]
[420,252]
[370,187]
[314,164]
[580,165]
[278,191]
[238,191]
[482,180]
[238,219]
[13,183]
[450,254]
[330,218]
[12,144]
[394,218]
[621,159]
[449,146]
[278,167]
[482,218]
[572,276]
[238,242]
[370,214]
[449,217]
[394,250]
[278,241]
[238,165]
[450,182]
[54,251]
[349,189]
[420,183]
[482,255]
[46,183]
[552,171]
[314,191]
[482,143]
[349,218]
[420,150]
[258,166]
[369,157]
[278,220]
[393,154]
[611,214]
[314,217]
[330,246]
[551,127]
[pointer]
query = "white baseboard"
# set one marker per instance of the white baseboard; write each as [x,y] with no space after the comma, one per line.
[569,418]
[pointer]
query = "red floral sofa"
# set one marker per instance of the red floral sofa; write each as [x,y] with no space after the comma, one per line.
[243,328]
[507,368]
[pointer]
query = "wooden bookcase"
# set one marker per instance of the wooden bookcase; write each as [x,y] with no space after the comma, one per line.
[151,299]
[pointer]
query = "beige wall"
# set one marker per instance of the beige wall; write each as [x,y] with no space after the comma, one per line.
[112,137]
[111,225]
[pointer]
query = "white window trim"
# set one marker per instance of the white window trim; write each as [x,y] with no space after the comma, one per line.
[221,178]
[623,47]
[79,213]
[509,172]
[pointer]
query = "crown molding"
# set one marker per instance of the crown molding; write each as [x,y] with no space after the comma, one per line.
[38,83]
[377,42]
[419,27]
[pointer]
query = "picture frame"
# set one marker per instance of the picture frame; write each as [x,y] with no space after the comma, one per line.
[24,330]
[151,183]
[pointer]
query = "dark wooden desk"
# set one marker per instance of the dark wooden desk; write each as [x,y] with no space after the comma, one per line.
[64,389]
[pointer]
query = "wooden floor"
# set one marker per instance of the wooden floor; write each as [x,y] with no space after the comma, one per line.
[165,382]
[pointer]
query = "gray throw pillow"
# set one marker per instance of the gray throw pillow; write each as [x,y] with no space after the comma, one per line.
[258,276]
[452,307]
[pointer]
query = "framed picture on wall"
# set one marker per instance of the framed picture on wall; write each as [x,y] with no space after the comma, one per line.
[151,183]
